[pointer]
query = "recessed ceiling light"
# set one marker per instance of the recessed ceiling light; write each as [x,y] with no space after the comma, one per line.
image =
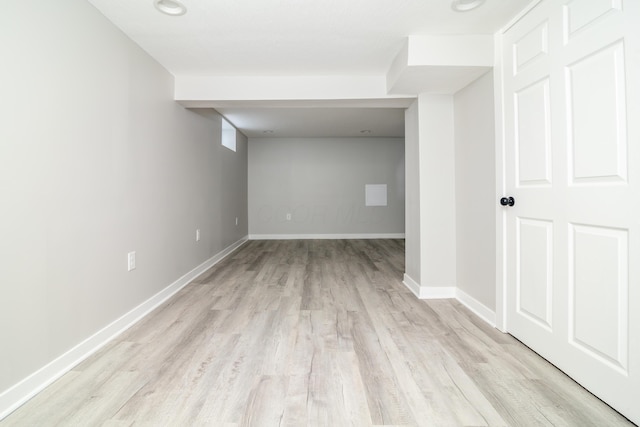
[170,7]
[465,5]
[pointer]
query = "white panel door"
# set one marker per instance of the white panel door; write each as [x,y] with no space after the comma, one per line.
[571,102]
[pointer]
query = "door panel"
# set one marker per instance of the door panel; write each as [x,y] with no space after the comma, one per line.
[597,130]
[571,103]
[533,143]
[535,271]
[530,47]
[580,14]
[599,293]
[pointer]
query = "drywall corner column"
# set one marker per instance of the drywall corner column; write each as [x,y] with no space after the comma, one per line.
[437,195]
[412,196]
[430,220]
[475,191]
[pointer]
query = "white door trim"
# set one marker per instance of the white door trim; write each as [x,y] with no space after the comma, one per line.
[501,218]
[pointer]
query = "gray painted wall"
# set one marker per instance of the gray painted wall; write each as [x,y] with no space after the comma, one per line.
[96,160]
[475,190]
[437,191]
[321,182]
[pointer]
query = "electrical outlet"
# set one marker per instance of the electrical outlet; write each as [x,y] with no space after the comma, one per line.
[198,235]
[288,217]
[131,261]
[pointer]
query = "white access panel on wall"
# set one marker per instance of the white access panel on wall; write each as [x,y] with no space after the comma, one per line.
[375,194]
[571,107]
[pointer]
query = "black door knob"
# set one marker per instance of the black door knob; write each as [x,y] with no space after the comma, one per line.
[507,201]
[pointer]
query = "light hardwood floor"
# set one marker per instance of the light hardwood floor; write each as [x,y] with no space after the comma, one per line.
[313,333]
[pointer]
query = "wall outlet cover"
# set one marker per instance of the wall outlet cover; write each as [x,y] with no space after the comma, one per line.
[131,261]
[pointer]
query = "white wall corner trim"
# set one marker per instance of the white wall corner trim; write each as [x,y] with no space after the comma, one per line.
[444,292]
[12,398]
[325,236]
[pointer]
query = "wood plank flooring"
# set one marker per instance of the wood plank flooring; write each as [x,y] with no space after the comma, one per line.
[313,333]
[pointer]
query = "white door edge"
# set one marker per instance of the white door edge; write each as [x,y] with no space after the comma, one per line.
[501,271]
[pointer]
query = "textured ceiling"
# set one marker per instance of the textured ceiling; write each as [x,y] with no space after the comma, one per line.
[294,38]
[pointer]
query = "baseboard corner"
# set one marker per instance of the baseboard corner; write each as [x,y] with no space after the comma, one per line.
[412,285]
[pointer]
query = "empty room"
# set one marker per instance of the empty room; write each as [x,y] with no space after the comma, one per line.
[336,213]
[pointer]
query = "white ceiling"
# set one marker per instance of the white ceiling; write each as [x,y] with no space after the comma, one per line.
[317,121]
[297,38]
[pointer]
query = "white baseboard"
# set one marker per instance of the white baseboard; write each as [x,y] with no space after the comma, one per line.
[429,292]
[440,292]
[412,285]
[325,236]
[479,309]
[12,398]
